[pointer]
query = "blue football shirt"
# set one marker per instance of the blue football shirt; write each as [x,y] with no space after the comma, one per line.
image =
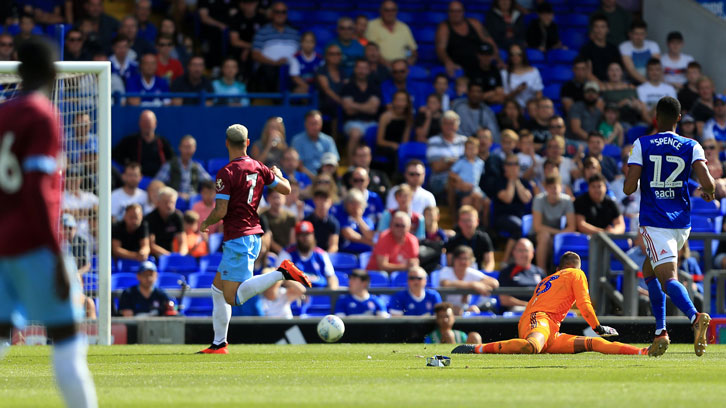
[406,304]
[349,305]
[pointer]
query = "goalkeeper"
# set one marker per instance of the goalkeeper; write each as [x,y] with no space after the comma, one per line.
[540,323]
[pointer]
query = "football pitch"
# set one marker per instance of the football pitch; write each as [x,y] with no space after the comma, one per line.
[363,375]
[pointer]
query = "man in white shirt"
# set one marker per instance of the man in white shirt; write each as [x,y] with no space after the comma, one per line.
[462,276]
[129,193]
[637,51]
[415,175]
[674,62]
[651,91]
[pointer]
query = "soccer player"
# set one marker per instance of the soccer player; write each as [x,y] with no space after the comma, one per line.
[34,276]
[239,191]
[540,323]
[662,163]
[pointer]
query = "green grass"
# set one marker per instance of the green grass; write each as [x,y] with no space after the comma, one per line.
[343,375]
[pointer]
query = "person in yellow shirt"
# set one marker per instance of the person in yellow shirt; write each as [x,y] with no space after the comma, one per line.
[392,35]
[539,326]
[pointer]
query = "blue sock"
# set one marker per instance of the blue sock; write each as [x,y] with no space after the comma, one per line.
[657,303]
[679,297]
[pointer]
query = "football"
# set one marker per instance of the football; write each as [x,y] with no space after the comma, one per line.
[331,328]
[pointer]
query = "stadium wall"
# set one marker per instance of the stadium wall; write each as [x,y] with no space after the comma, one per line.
[702,30]
[206,124]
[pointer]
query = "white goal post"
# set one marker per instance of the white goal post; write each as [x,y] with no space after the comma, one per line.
[82,94]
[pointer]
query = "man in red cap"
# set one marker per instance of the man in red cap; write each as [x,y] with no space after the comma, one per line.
[307,256]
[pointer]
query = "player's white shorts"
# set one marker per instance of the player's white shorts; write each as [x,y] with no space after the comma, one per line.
[662,244]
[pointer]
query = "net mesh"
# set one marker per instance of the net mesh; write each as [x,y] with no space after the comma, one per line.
[76,97]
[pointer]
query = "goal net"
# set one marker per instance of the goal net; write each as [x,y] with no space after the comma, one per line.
[81,94]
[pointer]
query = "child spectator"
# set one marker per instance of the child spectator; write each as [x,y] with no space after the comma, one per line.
[196,242]
[465,175]
[444,332]
[403,196]
[204,207]
[609,127]
[229,85]
[637,51]
[674,62]
[304,65]
[358,302]
[293,204]
[432,230]
[529,160]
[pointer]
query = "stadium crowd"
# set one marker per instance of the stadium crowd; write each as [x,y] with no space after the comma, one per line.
[516,126]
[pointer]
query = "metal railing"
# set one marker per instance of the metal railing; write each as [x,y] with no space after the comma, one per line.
[202,97]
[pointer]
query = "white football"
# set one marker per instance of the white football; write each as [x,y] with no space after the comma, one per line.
[331,328]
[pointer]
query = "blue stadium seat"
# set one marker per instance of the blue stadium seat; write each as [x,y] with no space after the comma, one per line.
[503,54]
[370,137]
[535,56]
[215,242]
[556,73]
[561,56]
[213,165]
[199,306]
[573,39]
[399,279]
[580,21]
[427,54]
[700,223]
[295,16]
[526,225]
[613,151]
[342,278]
[145,180]
[201,280]
[433,281]
[425,35]
[210,262]
[407,17]
[128,265]
[491,274]
[182,204]
[442,70]
[570,241]
[634,133]
[318,306]
[418,73]
[363,259]
[378,279]
[169,280]
[178,263]
[408,151]
[327,17]
[699,206]
[552,91]
[123,280]
[343,262]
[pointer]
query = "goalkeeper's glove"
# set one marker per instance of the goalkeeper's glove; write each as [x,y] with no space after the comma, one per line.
[606,331]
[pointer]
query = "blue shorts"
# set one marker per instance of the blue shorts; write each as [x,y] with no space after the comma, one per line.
[238,258]
[28,290]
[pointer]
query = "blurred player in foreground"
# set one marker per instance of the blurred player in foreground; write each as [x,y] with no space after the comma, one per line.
[662,163]
[36,281]
[239,190]
[540,323]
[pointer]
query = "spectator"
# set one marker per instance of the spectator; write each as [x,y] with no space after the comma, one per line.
[194,81]
[330,80]
[290,163]
[310,258]
[444,332]
[573,90]
[596,212]
[674,62]
[152,192]
[458,39]
[379,182]
[166,224]
[520,273]
[182,173]
[139,46]
[539,124]
[521,80]
[585,116]
[361,100]
[610,126]
[312,143]
[73,47]
[557,127]
[473,113]
[511,116]
[393,36]
[292,201]
[325,227]
[379,71]
[360,27]
[567,168]
[715,128]
[651,91]
[494,167]
[444,150]
[147,83]
[414,176]
[443,90]
[305,64]
[325,181]
[598,51]
[358,302]
[618,19]
[242,28]
[513,195]
[180,42]
[595,146]
[196,242]
[416,299]
[6,47]
[548,208]
[82,145]
[281,222]
[403,197]
[146,29]
[688,95]
[469,235]
[277,298]
[401,82]
[129,193]
[275,44]
[542,33]
[271,146]
[397,248]
[360,180]
[703,108]
[505,24]
[122,63]
[130,235]
[213,19]
[428,119]
[352,50]
[329,166]
[461,275]
[356,228]
[205,206]
[101,23]
[465,176]
[145,147]
[529,160]
[687,128]
[433,232]
[77,201]
[628,205]
[637,51]
[394,126]
[145,299]
[75,244]
[617,91]
[487,74]
[228,84]
[590,167]
[167,67]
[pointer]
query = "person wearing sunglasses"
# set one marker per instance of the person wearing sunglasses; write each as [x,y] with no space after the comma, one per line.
[416,299]
[73,46]
[358,302]
[393,36]
[396,249]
